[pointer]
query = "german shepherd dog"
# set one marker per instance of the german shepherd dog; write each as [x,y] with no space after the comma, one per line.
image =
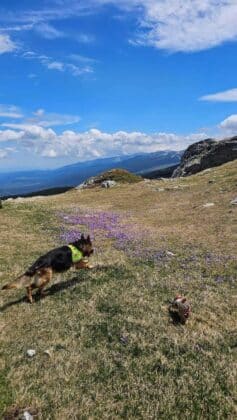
[58,260]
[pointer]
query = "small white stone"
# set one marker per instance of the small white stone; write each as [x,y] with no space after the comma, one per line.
[234,202]
[27,416]
[31,353]
[170,254]
[208,205]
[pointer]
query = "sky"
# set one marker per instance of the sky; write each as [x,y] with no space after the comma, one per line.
[87,79]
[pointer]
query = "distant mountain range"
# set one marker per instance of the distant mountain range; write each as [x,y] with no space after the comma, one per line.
[25,182]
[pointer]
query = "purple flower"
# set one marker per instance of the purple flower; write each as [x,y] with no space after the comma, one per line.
[127,236]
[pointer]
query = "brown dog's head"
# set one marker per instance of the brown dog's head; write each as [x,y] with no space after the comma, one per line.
[84,245]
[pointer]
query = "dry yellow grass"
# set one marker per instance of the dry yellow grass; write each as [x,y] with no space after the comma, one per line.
[113,351]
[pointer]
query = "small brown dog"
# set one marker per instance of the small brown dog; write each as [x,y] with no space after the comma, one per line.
[58,260]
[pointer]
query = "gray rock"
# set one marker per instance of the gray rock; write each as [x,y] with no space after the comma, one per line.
[108,184]
[31,353]
[27,416]
[206,154]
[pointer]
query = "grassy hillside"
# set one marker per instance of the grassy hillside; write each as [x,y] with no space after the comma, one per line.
[118,175]
[105,344]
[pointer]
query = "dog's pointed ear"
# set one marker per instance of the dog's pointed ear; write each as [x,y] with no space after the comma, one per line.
[82,237]
[88,239]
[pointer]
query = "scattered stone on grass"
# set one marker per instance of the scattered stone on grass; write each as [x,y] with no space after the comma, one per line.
[27,416]
[170,254]
[208,205]
[108,184]
[31,353]
[234,202]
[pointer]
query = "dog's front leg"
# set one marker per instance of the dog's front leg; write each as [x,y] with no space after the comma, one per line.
[83,264]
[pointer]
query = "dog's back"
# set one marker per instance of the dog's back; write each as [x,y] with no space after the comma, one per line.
[58,259]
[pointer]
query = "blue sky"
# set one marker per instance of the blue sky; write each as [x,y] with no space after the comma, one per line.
[88,79]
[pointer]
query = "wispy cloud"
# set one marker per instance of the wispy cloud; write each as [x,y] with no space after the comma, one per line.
[55,10]
[84,38]
[177,25]
[48,31]
[10,111]
[54,65]
[82,59]
[16,28]
[3,153]
[6,44]
[230,124]
[37,118]
[225,96]
[45,119]
[51,64]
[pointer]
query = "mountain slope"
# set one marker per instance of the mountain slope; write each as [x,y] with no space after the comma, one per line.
[72,175]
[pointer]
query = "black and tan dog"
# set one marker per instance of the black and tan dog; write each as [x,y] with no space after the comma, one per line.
[58,260]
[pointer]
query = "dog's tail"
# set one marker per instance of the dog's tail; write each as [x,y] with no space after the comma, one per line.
[22,281]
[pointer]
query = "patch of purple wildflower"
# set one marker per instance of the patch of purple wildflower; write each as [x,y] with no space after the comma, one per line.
[126,234]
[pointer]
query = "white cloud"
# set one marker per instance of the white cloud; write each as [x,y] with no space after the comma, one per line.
[173,25]
[82,59]
[85,38]
[52,119]
[61,66]
[50,153]
[54,65]
[48,31]
[225,96]
[230,124]
[78,71]
[10,135]
[93,143]
[10,111]
[187,26]
[3,154]
[6,44]
[38,118]
[39,112]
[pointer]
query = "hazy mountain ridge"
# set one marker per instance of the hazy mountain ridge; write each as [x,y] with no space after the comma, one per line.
[24,182]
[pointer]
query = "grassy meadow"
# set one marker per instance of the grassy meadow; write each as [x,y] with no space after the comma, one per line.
[106,347]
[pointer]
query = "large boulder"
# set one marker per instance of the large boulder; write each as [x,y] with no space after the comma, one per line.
[206,154]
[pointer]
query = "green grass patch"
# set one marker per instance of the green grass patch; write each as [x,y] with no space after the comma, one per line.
[6,393]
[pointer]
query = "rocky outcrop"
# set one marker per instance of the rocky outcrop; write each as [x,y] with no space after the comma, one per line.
[206,154]
[108,184]
[110,179]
